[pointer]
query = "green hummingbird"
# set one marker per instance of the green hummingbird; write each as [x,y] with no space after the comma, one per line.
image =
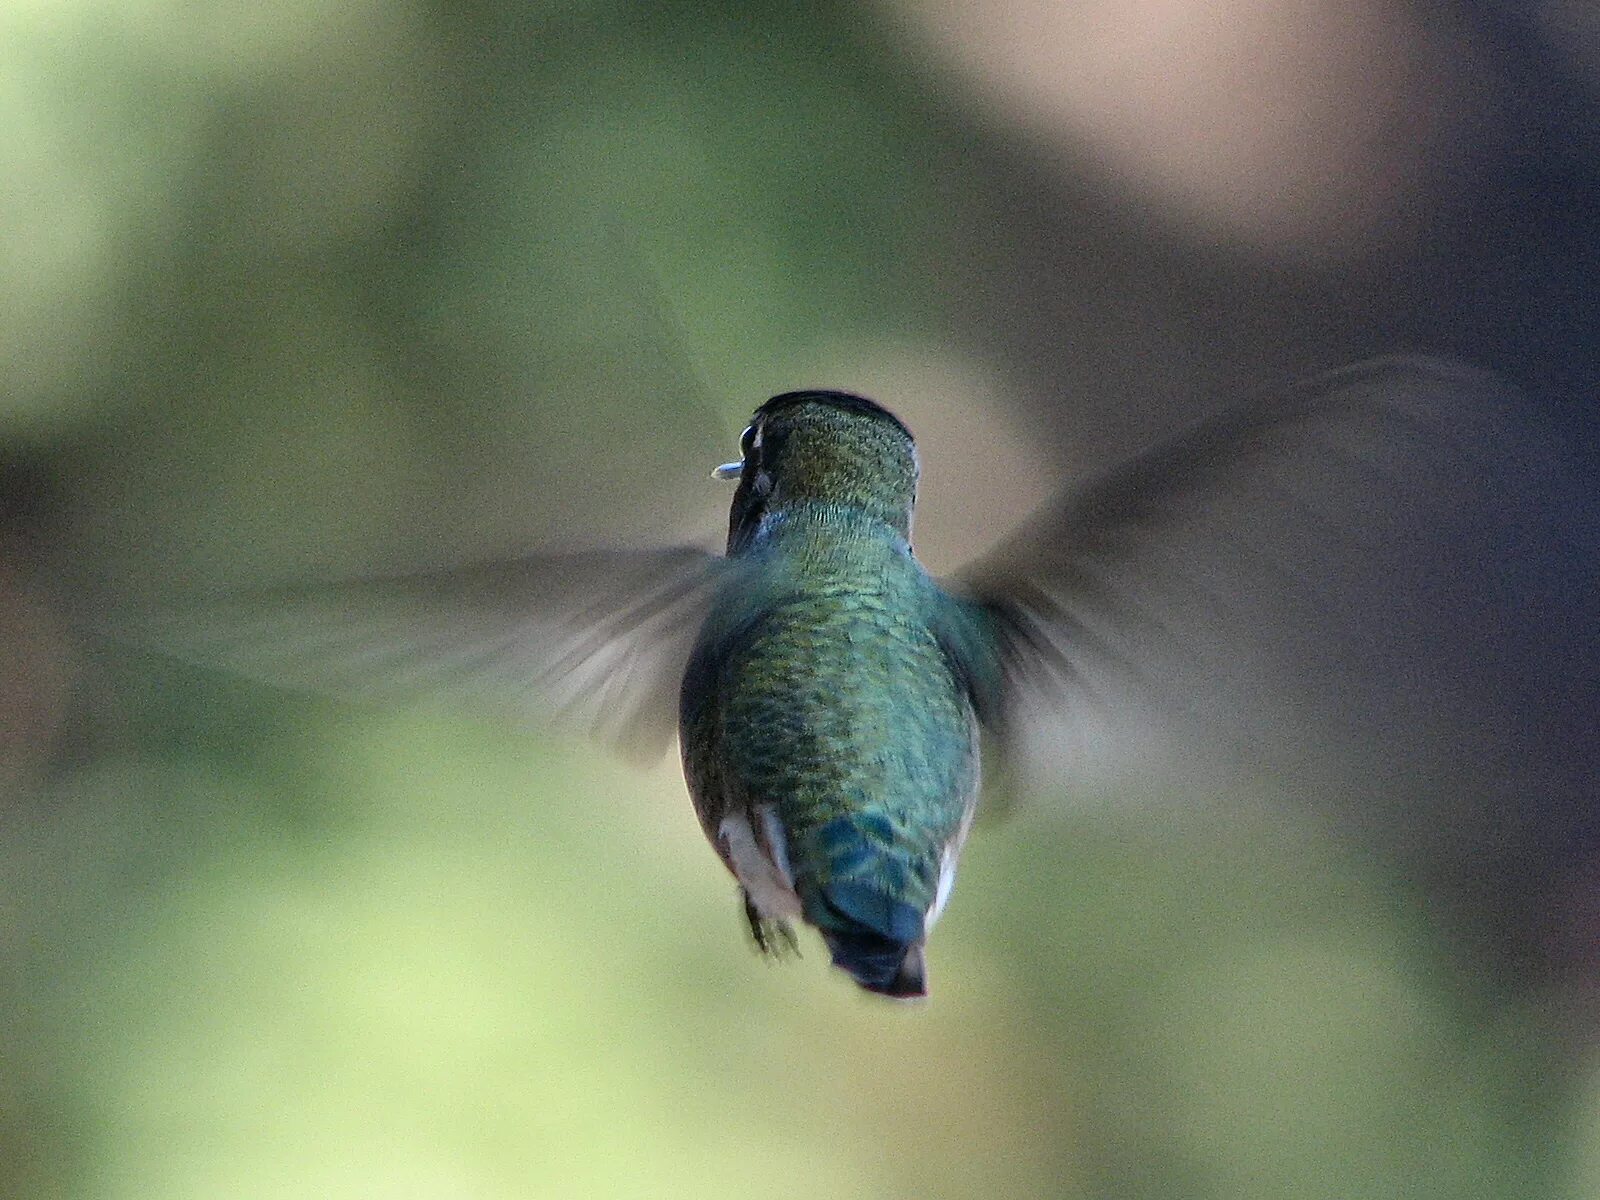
[1264,587]
[828,721]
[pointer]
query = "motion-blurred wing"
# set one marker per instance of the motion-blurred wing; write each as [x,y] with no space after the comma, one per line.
[595,642]
[1378,582]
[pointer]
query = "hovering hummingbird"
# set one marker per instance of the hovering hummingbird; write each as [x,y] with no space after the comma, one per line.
[829,711]
[1266,586]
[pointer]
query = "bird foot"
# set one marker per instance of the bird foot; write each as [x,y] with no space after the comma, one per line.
[773,936]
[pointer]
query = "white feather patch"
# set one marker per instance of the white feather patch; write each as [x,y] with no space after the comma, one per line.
[764,876]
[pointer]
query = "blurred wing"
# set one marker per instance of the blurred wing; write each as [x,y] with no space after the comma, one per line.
[593,642]
[1379,579]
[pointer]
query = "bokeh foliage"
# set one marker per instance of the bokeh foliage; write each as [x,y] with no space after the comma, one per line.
[317,287]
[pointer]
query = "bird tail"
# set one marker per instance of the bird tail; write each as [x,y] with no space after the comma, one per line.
[873,938]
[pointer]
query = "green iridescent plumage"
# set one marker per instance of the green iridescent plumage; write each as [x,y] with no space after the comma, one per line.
[821,711]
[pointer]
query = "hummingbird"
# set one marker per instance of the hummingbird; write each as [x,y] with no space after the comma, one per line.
[828,714]
[1319,585]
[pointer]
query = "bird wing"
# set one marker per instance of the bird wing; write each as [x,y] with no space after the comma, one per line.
[594,641]
[1380,575]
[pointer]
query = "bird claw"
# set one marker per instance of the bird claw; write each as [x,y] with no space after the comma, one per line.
[773,936]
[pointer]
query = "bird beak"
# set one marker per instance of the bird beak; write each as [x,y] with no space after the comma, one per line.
[728,471]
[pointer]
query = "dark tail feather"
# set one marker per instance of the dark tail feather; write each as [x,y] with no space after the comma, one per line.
[877,941]
[879,965]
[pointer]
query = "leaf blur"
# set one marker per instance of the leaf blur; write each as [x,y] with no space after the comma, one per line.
[325,288]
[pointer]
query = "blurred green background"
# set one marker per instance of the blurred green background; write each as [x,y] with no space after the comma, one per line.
[309,287]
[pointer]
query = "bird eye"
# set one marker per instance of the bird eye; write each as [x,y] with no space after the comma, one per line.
[749,441]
